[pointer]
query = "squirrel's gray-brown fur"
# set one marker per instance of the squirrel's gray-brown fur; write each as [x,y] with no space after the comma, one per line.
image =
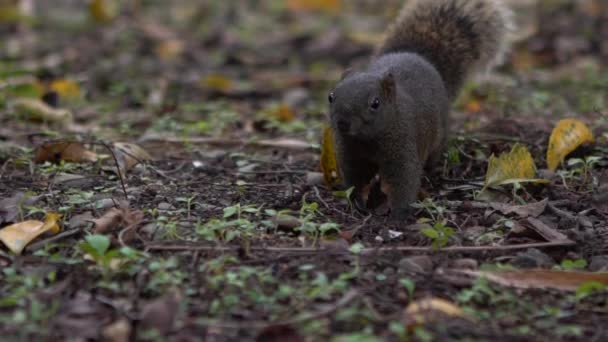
[391,118]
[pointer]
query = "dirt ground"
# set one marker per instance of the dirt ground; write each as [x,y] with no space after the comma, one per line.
[227,232]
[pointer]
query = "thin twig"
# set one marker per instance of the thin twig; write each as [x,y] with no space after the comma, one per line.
[310,250]
[118,171]
[40,244]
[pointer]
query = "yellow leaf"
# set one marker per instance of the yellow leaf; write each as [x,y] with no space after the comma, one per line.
[330,6]
[431,310]
[516,166]
[473,106]
[10,13]
[103,11]
[217,82]
[284,113]
[567,135]
[329,163]
[18,235]
[66,88]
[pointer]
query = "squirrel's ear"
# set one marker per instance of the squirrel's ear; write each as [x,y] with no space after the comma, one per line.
[347,73]
[387,84]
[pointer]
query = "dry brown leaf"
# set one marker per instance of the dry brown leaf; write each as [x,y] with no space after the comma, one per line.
[118,331]
[545,231]
[170,49]
[55,152]
[160,313]
[128,155]
[526,210]
[540,279]
[117,218]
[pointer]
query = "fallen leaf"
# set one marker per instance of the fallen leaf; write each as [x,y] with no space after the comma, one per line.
[567,135]
[128,155]
[65,88]
[18,235]
[540,279]
[431,310]
[218,82]
[160,313]
[284,113]
[329,162]
[118,331]
[170,49]
[37,110]
[55,152]
[526,210]
[103,11]
[330,6]
[117,218]
[545,231]
[516,166]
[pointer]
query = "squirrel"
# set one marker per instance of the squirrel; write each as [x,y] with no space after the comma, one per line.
[391,119]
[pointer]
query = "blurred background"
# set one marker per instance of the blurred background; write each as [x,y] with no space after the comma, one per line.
[248,67]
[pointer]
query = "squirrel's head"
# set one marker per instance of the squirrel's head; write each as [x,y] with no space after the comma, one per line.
[361,104]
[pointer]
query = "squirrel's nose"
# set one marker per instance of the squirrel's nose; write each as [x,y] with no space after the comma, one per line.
[343,125]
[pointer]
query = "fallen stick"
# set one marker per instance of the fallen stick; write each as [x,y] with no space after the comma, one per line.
[364,251]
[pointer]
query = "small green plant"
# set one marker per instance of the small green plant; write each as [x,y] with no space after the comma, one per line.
[439,233]
[589,288]
[97,247]
[571,265]
[579,168]
[308,226]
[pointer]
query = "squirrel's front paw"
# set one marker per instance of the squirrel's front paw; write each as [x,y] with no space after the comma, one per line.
[360,204]
[401,214]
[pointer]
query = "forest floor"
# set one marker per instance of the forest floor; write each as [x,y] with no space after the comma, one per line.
[225,230]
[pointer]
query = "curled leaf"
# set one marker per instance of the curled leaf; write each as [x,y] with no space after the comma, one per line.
[516,166]
[64,151]
[567,135]
[329,162]
[36,110]
[18,235]
[431,310]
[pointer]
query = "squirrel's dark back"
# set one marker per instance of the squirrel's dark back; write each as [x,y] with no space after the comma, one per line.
[455,36]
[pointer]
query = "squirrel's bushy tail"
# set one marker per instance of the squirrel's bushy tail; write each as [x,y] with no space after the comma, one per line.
[456,36]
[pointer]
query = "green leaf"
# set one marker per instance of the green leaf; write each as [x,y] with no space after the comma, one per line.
[100,243]
[430,233]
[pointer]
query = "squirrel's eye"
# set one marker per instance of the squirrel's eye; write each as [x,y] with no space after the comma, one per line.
[331,97]
[375,103]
